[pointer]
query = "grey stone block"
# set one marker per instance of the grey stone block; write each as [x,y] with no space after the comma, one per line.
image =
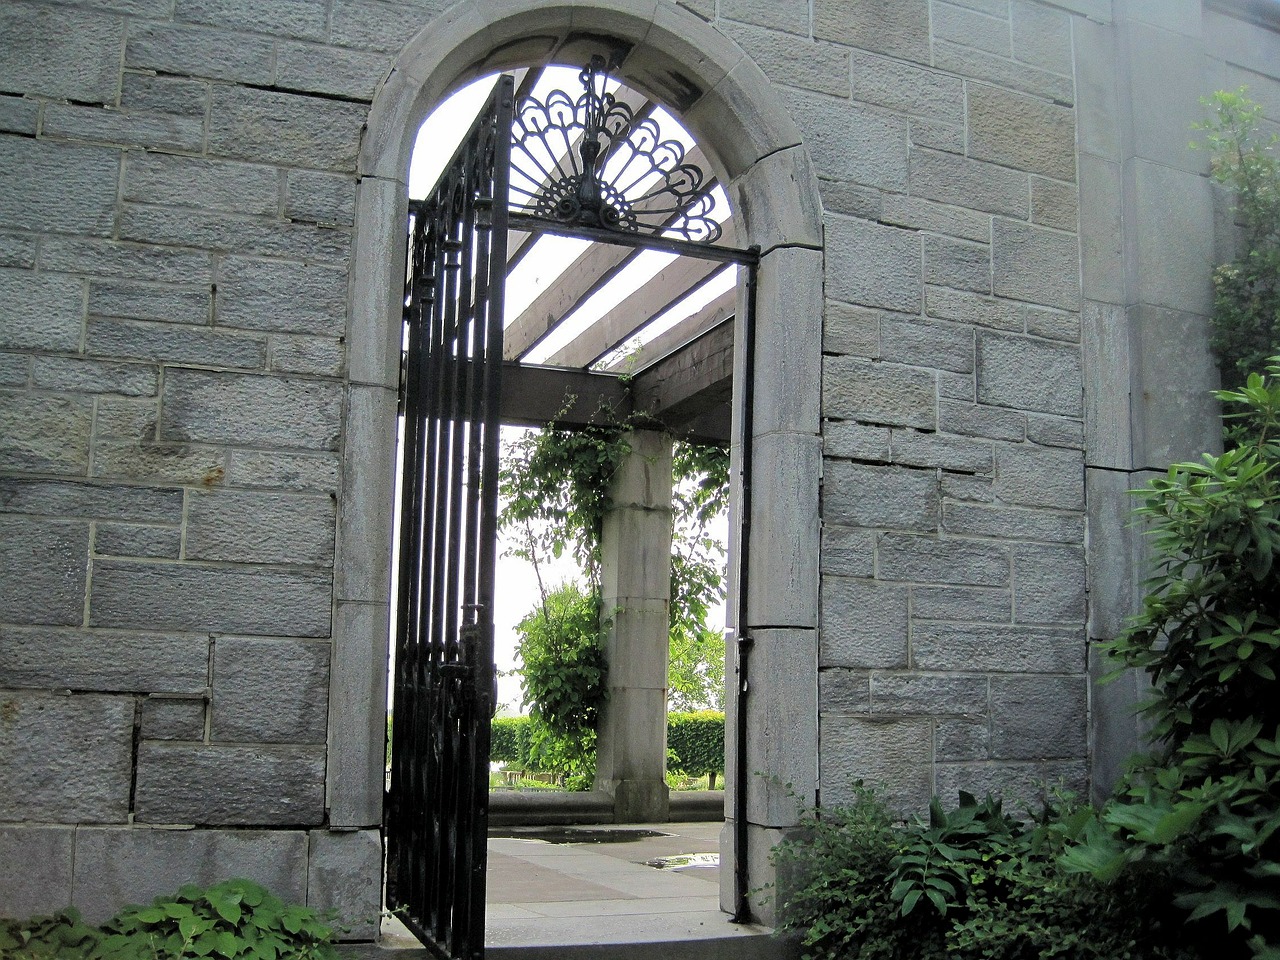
[1097,87]
[1035,264]
[165,343]
[65,758]
[1115,554]
[42,576]
[67,499]
[286,471]
[1048,583]
[282,18]
[172,718]
[843,692]
[961,739]
[74,375]
[158,462]
[926,344]
[996,648]
[927,695]
[19,115]
[974,519]
[59,53]
[789,15]
[852,440]
[941,560]
[125,261]
[1101,230]
[250,410]
[320,197]
[1023,132]
[981,65]
[103,660]
[849,143]
[795,60]
[321,356]
[947,178]
[281,297]
[1055,324]
[15,370]
[878,393]
[243,527]
[893,755]
[850,330]
[1171,245]
[968,489]
[126,418]
[344,874]
[864,624]
[1166,81]
[1173,415]
[975,604]
[897,28]
[956,386]
[785,512]
[357,728]
[137,301]
[107,125]
[1038,718]
[207,184]
[284,128]
[1027,373]
[133,540]
[906,88]
[379,26]
[963,307]
[847,551]
[958,264]
[270,691]
[191,51]
[43,885]
[18,250]
[115,866]
[850,199]
[1041,36]
[40,311]
[958,454]
[158,596]
[971,28]
[873,265]
[788,347]
[976,420]
[921,214]
[220,785]
[936,136]
[893,497]
[783,719]
[233,233]
[362,570]
[1055,431]
[1040,477]
[1054,203]
[58,187]
[175,95]
[1022,785]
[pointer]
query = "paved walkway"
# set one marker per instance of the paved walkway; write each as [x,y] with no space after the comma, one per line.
[544,893]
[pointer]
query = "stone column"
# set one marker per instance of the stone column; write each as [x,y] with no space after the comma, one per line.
[636,594]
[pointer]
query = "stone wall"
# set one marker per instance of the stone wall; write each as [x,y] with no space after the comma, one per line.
[195,442]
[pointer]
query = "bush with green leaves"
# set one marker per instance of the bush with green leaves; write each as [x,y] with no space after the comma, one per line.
[62,936]
[695,743]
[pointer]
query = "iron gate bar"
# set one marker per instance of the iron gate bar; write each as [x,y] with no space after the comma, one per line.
[684,248]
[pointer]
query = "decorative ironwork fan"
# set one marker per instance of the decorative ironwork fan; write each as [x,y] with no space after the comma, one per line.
[590,162]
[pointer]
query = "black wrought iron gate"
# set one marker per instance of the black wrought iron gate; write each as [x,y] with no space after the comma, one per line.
[437,805]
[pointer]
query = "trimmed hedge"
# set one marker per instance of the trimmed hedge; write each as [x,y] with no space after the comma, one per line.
[509,740]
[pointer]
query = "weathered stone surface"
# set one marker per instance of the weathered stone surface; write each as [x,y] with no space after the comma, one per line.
[176,95]
[1023,785]
[333,71]
[905,88]
[235,233]
[788,15]
[981,65]
[897,28]
[784,725]
[957,264]
[15,369]
[997,648]
[850,199]
[172,718]
[229,785]
[60,498]
[843,692]
[135,540]
[74,375]
[892,755]
[60,53]
[200,52]
[975,519]
[125,261]
[939,450]
[936,136]
[1038,718]
[795,60]
[971,28]
[1171,242]
[135,864]
[40,311]
[1035,264]
[947,178]
[1055,431]
[108,125]
[976,420]
[380,26]
[137,301]
[243,527]
[357,729]
[145,461]
[255,468]
[963,307]
[42,570]
[877,393]
[1101,230]
[1057,324]
[208,184]
[1024,132]
[1027,373]
[103,660]
[320,197]
[43,885]
[19,115]
[845,438]
[847,551]
[126,418]
[281,297]
[941,560]
[343,874]
[921,214]
[1041,36]
[1166,81]
[927,695]
[322,356]
[960,738]
[18,250]
[1048,583]
[162,342]
[86,739]
[1054,204]
[157,596]
[362,571]
[270,691]
[250,410]
[282,18]
[284,128]
[893,497]
[1040,477]
[850,330]
[980,604]
[864,624]
[926,344]
[850,143]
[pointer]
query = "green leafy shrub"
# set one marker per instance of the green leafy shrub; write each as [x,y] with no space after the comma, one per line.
[695,743]
[62,936]
[509,740]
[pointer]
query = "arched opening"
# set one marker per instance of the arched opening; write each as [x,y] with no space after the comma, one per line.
[755,150]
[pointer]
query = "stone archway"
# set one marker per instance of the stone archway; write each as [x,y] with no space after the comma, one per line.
[730,107]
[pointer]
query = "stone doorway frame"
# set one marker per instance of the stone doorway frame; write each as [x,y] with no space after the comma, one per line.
[730,107]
